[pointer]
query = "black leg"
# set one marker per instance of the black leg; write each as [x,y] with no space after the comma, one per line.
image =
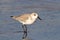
[25,31]
[23,27]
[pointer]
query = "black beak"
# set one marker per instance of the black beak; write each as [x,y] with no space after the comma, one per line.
[39,18]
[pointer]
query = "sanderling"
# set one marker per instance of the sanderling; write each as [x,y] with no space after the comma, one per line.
[26,19]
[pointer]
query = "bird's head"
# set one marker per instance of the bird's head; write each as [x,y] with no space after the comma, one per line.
[35,15]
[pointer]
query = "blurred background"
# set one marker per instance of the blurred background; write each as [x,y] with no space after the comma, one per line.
[46,29]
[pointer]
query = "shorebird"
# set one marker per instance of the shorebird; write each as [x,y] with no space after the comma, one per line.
[26,19]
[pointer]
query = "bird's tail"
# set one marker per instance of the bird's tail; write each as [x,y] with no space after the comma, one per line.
[11,16]
[14,17]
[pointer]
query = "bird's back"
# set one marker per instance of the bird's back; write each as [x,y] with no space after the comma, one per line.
[23,17]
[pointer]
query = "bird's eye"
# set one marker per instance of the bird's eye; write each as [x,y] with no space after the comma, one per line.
[34,14]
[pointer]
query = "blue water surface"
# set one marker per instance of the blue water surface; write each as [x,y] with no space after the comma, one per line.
[46,29]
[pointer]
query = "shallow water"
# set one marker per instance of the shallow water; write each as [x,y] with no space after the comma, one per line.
[46,29]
